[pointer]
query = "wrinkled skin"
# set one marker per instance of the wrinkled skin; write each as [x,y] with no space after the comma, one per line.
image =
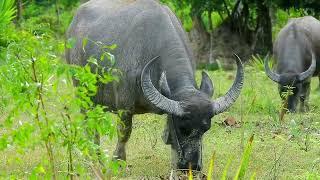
[293,49]
[158,70]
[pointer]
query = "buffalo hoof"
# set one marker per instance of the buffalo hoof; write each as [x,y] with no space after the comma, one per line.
[120,152]
[117,156]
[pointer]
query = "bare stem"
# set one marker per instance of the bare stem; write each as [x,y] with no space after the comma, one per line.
[71,141]
[40,103]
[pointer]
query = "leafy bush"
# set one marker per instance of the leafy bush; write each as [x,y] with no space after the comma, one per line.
[41,108]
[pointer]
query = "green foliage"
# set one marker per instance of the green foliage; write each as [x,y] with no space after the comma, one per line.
[37,111]
[7,12]
[182,10]
[41,17]
[244,161]
[257,62]
[312,5]
[210,67]
[200,6]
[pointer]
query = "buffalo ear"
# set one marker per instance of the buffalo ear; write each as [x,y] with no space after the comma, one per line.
[163,84]
[206,84]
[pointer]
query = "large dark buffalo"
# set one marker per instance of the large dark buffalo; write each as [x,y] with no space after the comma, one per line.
[158,72]
[296,51]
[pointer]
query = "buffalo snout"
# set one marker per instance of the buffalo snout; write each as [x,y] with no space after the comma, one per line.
[190,157]
[187,165]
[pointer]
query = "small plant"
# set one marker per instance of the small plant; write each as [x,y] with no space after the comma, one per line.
[285,95]
[300,134]
[44,110]
[257,62]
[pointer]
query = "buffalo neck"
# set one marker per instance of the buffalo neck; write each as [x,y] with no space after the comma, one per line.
[178,68]
[292,53]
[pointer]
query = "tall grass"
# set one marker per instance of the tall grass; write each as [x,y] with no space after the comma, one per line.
[7,11]
[242,168]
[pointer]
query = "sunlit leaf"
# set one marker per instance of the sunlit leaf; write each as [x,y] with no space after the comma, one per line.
[245,160]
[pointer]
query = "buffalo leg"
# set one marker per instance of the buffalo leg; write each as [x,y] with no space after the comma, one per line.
[304,97]
[319,83]
[124,132]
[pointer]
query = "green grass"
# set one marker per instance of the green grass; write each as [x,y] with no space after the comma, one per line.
[277,147]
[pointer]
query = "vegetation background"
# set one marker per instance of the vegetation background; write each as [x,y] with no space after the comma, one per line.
[44,134]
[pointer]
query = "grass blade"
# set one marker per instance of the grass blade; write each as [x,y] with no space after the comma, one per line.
[245,160]
[253,177]
[211,167]
[190,173]
[226,168]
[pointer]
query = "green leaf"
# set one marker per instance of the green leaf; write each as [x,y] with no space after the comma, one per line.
[253,177]
[245,160]
[7,11]
[112,47]
[71,42]
[84,43]
[38,170]
[93,60]
[226,168]
[3,143]
[211,167]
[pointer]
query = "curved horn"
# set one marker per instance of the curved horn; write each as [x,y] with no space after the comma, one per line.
[310,71]
[154,96]
[273,76]
[224,102]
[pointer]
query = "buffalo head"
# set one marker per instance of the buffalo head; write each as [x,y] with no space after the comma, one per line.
[189,113]
[291,82]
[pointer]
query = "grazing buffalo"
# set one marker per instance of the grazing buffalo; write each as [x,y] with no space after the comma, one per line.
[158,72]
[296,51]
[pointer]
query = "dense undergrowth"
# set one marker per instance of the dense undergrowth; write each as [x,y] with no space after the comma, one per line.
[40,108]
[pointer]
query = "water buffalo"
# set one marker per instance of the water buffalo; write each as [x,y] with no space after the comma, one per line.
[158,72]
[296,51]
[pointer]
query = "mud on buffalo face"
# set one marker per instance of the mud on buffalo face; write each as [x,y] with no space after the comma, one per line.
[189,113]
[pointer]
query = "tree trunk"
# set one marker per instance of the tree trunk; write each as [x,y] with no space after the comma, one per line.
[198,36]
[57,12]
[211,60]
[19,11]
[273,15]
[239,20]
[262,43]
[200,29]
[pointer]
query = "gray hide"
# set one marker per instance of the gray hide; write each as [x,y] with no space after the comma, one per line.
[296,53]
[158,71]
